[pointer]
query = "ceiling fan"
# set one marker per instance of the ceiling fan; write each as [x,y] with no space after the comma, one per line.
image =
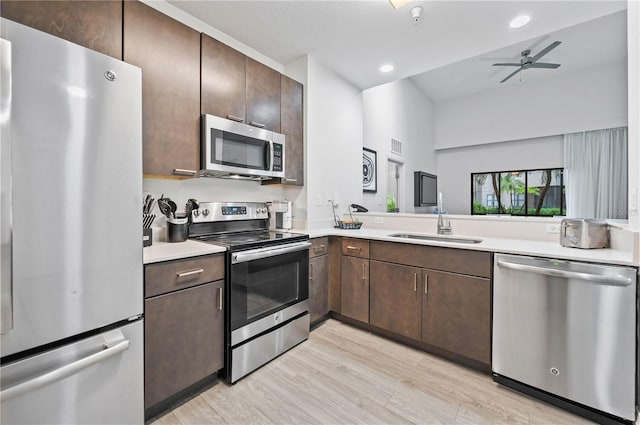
[527,61]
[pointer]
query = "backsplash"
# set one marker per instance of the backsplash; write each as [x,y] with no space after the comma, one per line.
[222,190]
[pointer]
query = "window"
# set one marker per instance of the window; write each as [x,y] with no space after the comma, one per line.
[523,192]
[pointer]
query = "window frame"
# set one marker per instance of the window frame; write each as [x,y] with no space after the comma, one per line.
[498,199]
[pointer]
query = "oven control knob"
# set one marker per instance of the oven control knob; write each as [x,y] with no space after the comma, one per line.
[196,213]
[205,212]
[263,210]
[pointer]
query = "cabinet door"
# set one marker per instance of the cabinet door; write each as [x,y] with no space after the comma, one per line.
[223,80]
[93,24]
[355,288]
[169,54]
[292,127]
[183,340]
[456,314]
[318,287]
[396,298]
[263,96]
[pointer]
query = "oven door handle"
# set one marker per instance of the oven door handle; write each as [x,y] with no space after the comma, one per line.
[254,254]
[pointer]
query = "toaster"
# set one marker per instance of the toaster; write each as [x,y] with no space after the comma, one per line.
[584,233]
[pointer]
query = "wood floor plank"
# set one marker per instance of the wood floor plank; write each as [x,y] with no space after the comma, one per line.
[343,375]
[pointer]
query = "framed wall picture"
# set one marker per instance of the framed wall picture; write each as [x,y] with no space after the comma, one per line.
[369,170]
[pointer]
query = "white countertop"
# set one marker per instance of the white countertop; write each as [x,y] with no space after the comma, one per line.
[503,245]
[164,251]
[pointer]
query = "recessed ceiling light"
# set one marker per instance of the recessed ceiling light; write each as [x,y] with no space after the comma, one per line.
[386,68]
[519,21]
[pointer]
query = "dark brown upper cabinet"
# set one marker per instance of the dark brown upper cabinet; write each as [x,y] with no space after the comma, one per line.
[93,24]
[291,125]
[263,96]
[169,54]
[223,80]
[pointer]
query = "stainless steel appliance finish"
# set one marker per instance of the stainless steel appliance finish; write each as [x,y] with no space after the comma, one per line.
[259,326]
[568,329]
[71,120]
[267,282]
[257,352]
[59,386]
[584,233]
[231,148]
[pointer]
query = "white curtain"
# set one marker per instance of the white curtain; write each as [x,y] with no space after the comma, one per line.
[596,173]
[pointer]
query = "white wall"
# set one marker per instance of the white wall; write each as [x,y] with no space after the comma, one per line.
[398,110]
[592,99]
[334,143]
[456,165]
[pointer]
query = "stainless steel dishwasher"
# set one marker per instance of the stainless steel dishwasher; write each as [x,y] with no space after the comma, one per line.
[566,332]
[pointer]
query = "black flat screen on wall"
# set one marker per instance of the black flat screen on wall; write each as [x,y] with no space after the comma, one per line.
[425,189]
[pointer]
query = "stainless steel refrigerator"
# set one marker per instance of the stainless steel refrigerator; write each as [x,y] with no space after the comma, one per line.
[70,214]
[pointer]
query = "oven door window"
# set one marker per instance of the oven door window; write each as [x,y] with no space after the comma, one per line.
[238,151]
[264,286]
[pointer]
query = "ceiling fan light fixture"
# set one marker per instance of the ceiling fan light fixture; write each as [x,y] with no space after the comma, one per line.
[387,67]
[519,21]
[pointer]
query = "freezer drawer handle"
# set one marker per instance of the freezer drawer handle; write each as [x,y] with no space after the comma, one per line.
[63,372]
[615,280]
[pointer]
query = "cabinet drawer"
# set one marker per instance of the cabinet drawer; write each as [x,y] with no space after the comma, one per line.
[474,263]
[171,276]
[319,246]
[355,247]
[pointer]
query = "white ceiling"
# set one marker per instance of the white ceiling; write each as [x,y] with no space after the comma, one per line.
[355,37]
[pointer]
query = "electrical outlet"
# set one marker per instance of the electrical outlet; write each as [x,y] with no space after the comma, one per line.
[378,220]
[319,201]
[553,228]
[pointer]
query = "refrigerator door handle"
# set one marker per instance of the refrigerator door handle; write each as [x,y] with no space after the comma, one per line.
[6,290]
[64,371]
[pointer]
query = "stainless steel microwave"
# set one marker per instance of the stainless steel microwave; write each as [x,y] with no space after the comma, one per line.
[234,149]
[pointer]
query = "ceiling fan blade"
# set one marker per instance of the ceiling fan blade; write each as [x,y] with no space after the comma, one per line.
[511,75]
[546,50]
[544,65]
[507,64]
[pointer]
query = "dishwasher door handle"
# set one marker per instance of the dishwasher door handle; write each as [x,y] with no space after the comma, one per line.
[614,280]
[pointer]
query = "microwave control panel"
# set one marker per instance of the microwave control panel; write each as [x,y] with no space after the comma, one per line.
[277,157]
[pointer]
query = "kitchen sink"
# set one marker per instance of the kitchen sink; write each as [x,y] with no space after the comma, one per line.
[435,238]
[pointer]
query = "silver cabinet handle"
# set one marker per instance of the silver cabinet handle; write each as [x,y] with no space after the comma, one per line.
[615,280]
[288,180]
[220,298]
[364,273]
[415,282]
[63,372]
[255,254]
[184,172]
[234,118]
[310,271]
[426,283]
[354,248]
[257,124]
[6,171]
[189,272]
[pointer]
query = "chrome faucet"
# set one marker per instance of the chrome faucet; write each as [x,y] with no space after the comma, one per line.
[444,224]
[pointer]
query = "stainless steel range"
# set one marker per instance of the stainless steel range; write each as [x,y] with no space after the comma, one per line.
[267,289]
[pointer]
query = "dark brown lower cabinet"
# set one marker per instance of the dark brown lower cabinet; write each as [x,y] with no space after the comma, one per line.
[318,288]
[396,298]
[184,340]
[354,273]
[456,314]
[446,310]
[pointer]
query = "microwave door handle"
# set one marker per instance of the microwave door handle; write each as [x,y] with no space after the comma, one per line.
[268,154]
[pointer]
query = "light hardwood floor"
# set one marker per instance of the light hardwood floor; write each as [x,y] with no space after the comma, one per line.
[343,375]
